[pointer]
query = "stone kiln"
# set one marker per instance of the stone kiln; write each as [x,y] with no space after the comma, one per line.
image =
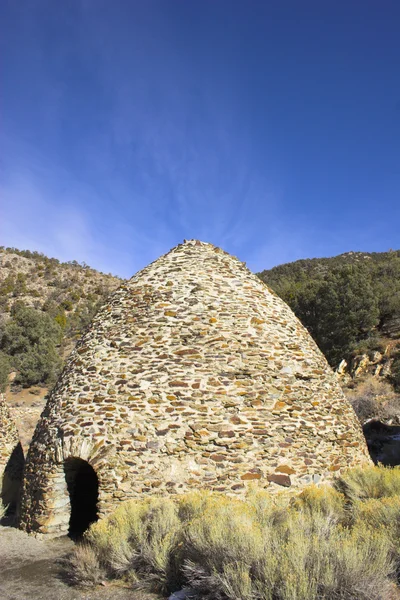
[193,375]
[11,458]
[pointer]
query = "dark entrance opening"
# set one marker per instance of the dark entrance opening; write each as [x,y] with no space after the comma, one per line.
[383,442]
[83,489]
[10,485]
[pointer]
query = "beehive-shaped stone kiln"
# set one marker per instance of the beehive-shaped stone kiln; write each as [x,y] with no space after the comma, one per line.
[11,458]
[193,375]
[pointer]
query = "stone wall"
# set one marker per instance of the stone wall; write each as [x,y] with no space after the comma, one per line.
[193,375]
[11,457]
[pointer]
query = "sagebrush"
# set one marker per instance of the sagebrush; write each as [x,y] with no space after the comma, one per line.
[325,543]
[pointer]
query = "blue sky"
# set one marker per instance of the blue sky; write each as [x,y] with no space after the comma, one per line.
[269,128]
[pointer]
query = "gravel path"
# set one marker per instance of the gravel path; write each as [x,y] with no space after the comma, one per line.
[29,571]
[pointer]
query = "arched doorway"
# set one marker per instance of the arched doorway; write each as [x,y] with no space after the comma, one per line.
[10,483]
[83,490]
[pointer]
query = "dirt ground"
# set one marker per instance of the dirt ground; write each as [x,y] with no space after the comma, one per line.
[29,570]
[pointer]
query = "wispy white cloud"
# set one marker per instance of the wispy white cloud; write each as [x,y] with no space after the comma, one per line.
[167,158]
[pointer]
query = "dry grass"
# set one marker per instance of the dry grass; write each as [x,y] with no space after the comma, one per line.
[325,544]
[374,398]
[83,566]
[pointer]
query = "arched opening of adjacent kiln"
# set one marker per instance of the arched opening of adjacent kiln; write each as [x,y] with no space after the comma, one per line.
[10,484]
[83,490]
[383,442]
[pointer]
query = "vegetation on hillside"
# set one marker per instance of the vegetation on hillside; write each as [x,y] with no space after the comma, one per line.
[349,303]
[326,543]
[44,307]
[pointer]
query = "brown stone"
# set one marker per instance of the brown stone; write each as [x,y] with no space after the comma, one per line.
[178,384]
[217,457]
[283,480]
[249,476]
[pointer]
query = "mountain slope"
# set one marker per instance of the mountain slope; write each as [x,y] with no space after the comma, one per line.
[44,306]
[350,303]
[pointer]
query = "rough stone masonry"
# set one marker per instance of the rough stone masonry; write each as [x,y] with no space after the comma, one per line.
[193,375]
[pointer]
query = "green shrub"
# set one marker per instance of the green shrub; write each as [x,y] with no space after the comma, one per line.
[66,305]
[395,374]
[30,339]
[61,318]
[5,368]
[7,285]
[20,285]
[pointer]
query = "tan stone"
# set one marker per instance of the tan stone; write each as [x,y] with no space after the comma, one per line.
[285,469]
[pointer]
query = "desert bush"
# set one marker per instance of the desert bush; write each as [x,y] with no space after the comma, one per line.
[67,305]
[305,556]
[83,567]
[359,565]
[270,510]
[221,545]
[139,540]
[34,293]
[75,295]
[261,548]
[323,500]
[373,398]
[380,514]
[322,560]
[193,504]
[362,483]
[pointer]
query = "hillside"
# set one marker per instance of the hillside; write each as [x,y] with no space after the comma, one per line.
[44,306]
[350,304]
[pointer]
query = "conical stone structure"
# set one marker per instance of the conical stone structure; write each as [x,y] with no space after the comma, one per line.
[193,375]
[11,458]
